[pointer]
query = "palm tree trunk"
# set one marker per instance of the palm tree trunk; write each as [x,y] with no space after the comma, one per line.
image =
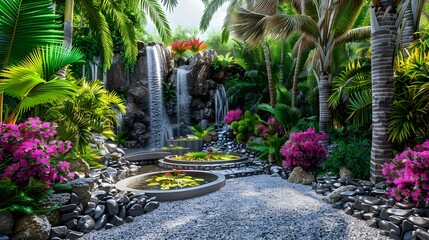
[68,23]
[383,41]
[324,111]
[296,76]
[271,87]
[408,28]
[282,55]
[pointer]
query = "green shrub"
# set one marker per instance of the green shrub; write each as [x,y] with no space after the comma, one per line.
[355,156]
[245,126]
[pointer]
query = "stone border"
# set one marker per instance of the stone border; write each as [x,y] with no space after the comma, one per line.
[176,194]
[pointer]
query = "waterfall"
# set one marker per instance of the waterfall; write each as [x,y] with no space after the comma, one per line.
[156,105]
[94,64]
[183,99]
[221,104]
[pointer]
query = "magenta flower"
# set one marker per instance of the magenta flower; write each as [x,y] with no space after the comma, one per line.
[304,149]
[408,175]
[233,115]
[27,151]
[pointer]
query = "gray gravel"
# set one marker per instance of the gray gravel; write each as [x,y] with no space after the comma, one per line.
[257,207]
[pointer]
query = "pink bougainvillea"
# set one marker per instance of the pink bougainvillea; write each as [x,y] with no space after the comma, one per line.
[233,115]
[408,175]
[303,149]
[27,150]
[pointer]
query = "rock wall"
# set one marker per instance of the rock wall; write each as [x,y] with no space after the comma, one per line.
[133,84]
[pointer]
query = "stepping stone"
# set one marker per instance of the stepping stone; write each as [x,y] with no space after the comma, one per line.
[419,221]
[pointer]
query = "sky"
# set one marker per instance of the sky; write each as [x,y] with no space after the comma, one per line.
[188,14]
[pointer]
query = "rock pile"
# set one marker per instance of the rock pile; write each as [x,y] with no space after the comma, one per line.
[363,200]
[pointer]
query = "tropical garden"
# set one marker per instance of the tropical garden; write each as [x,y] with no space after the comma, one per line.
[322,85]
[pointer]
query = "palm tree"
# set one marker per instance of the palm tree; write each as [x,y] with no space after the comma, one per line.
[97,13]
[21,32]
[383,46]
[411,20]
[333,27]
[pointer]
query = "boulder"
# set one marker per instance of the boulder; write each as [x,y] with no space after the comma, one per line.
[335,195]
[6,223]
[298,175]
[346,173]
[33,226]
[79,165]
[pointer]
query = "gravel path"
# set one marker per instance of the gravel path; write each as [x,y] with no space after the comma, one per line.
[257,207]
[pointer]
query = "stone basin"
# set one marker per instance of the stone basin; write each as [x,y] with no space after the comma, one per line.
[171,159]
[175,194]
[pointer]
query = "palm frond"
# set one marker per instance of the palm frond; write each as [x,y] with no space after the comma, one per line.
[355,35]
[158,17]
[209,12]
[360,104]
[21,31]
[124,26]
[99,23]
[346,13]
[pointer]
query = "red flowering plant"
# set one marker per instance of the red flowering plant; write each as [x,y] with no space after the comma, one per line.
[196,45]
[303,149]
[408,175]
[179,48]
[28,167]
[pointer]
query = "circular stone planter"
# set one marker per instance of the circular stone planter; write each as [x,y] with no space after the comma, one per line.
[170,159]
[194,145]
[175,194]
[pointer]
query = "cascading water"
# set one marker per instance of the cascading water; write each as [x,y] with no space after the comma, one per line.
[221,104]
[156,106]
[183,99]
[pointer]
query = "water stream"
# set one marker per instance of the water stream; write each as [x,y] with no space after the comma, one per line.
[156,105]
[221,104]
[183,100]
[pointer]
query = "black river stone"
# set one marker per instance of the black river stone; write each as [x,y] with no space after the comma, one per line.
[59,231]
[99,211]
[85,224]
[419,221]
[135,210]
[74,235]
[117,221]
[389,226]
[405,205]
[150,206]
[101,222]
[112,207]
[67,208]
[371,200]
[398,212]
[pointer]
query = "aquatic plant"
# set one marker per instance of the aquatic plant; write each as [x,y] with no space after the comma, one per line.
[172,180]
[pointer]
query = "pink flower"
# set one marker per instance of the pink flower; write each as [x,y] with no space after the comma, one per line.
[233,115]
[304,149]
